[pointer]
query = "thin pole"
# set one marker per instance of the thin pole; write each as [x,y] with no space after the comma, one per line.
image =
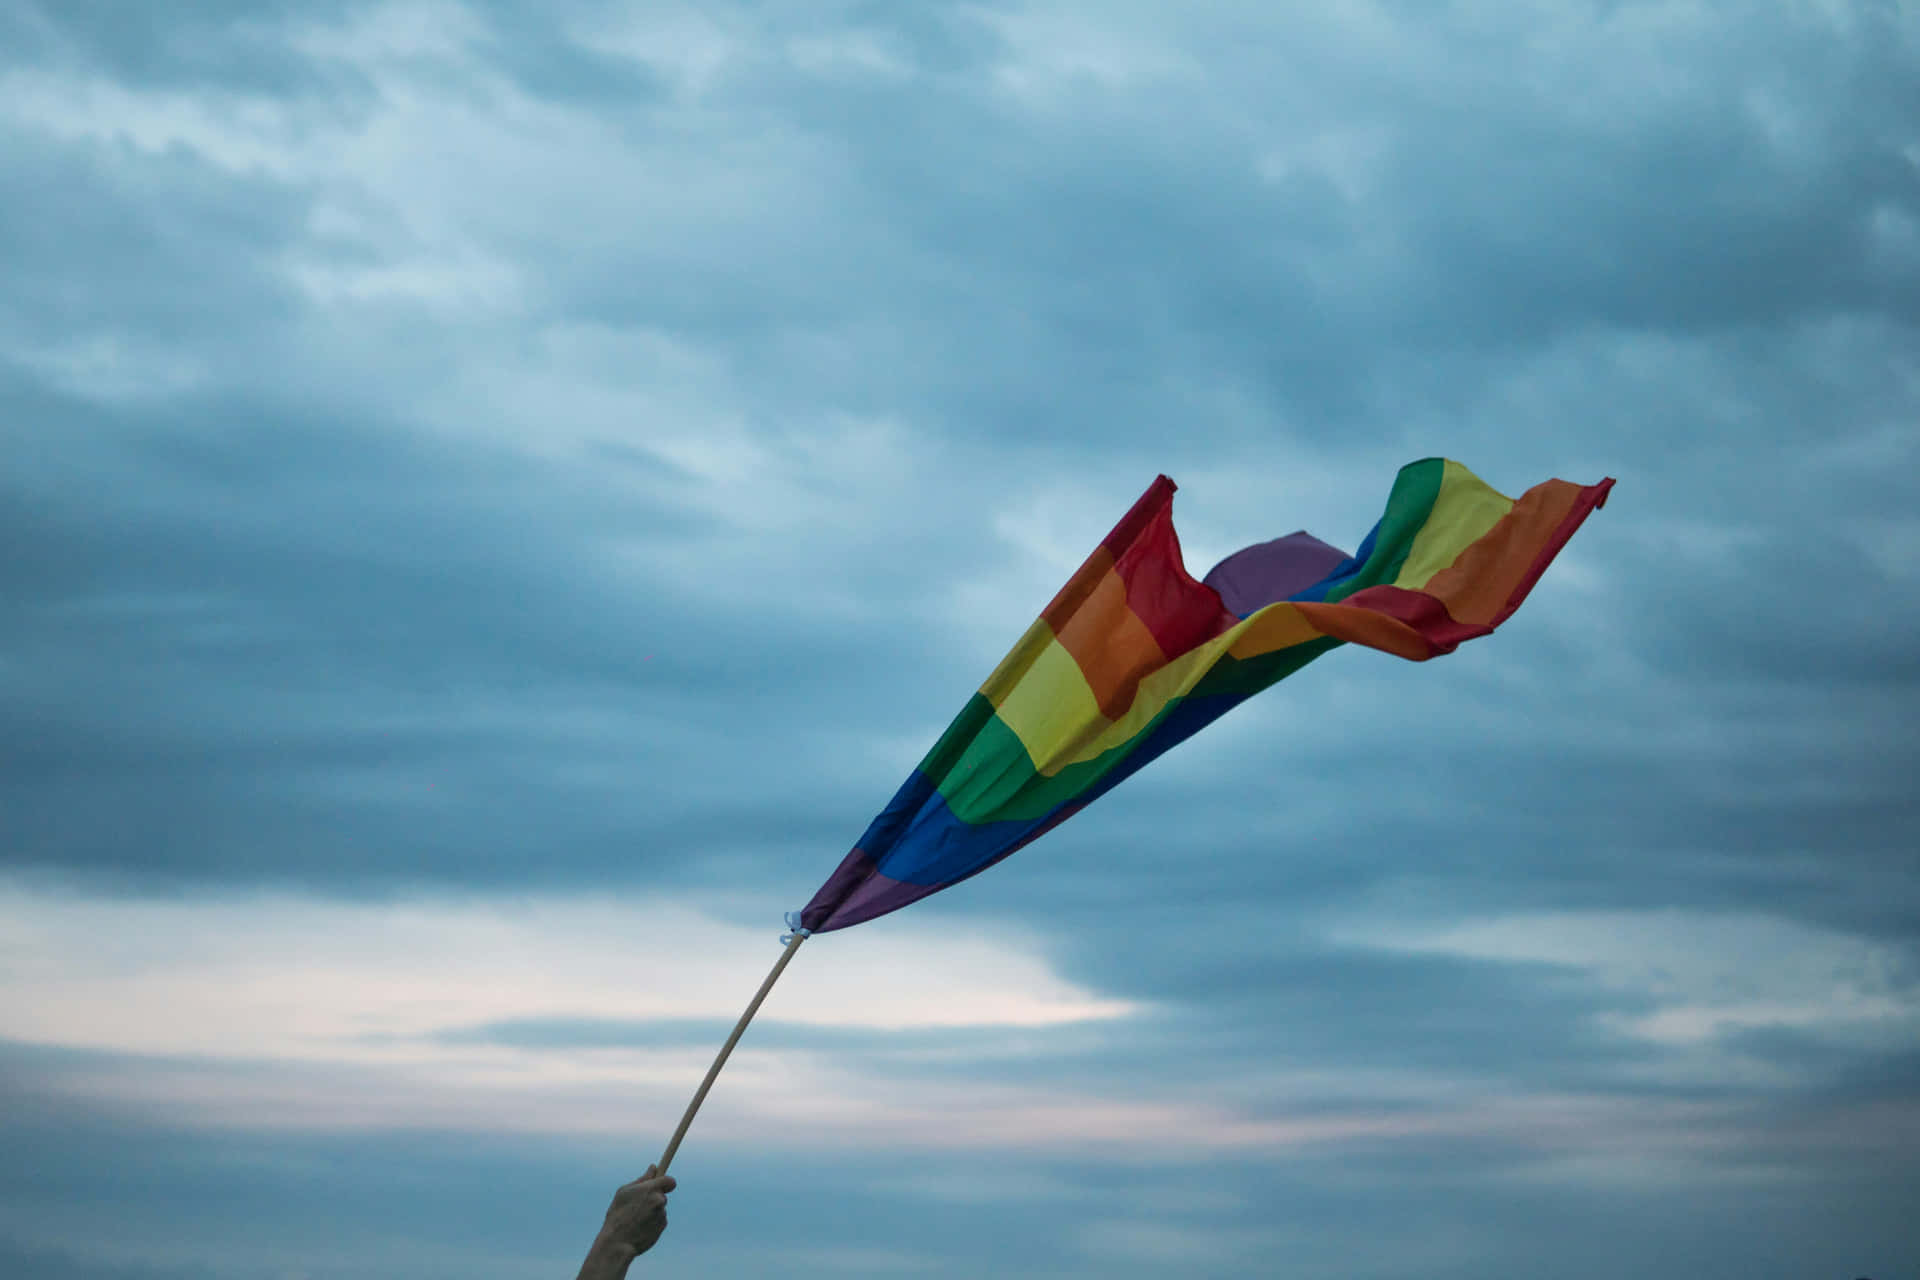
[727,1048]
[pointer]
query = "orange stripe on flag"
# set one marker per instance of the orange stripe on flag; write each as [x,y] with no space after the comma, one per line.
[1481,581]
[1112,646]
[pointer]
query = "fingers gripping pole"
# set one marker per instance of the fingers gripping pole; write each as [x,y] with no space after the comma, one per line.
[793,945]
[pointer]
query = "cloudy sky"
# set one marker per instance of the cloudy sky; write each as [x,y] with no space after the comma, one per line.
[495,495]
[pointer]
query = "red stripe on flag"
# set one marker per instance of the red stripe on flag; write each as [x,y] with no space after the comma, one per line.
[1179,610]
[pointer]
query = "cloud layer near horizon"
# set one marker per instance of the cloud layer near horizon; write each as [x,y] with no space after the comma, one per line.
[495,496]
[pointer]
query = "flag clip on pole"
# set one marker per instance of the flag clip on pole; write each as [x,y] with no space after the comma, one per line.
[793,941]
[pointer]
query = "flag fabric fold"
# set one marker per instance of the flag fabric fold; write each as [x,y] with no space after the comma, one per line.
[1134,655]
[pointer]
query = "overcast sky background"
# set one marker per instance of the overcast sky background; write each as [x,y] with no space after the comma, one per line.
[496,495]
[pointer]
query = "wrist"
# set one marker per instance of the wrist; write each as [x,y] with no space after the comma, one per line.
[608,1259]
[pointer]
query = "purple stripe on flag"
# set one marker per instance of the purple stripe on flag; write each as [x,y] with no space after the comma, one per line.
[1250,580]
[860,892]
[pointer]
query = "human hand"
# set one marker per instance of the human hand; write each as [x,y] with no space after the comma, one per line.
[638,1213]
[634,1222]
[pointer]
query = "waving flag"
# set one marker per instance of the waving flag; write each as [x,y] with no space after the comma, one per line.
[1134,655]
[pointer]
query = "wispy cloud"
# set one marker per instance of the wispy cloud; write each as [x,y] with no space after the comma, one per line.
[496,495]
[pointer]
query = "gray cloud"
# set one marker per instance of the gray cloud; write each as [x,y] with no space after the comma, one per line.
[514,446]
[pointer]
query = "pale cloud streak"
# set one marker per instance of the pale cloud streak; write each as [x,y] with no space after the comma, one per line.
[1703,975]
[275,1011]
[279,977]
[279,1013]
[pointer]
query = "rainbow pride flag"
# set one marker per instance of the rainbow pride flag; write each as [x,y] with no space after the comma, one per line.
[1134,656]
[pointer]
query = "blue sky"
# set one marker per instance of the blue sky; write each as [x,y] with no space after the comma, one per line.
[496,495]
